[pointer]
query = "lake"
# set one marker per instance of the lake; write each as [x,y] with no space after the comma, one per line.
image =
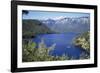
[64,44]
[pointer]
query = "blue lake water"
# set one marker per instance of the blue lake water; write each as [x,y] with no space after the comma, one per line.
[64,44]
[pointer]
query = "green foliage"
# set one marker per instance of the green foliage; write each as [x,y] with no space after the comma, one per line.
[31,53]
[84,56]
[83,41]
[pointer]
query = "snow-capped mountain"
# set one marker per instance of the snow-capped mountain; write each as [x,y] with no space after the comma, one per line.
[66,24]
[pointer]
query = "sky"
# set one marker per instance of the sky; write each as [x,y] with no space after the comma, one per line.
[43,15]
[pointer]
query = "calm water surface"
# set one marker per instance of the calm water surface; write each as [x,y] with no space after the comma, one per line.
[64,44]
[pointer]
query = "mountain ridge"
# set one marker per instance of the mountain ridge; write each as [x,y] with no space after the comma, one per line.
[68,24]
[63,25]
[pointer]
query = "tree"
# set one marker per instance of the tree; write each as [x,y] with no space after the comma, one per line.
[25,12]
[83,41]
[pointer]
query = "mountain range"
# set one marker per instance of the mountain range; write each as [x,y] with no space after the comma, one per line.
[61,25]
[65,24]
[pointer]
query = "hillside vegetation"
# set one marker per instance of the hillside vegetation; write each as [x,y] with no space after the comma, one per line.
[33,27]
[83,41]
[31,53]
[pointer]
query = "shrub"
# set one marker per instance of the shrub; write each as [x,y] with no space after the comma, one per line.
[31,53]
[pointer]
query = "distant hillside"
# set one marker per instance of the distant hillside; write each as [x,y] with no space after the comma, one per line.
[67,24]
[61,25]
[33,27]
